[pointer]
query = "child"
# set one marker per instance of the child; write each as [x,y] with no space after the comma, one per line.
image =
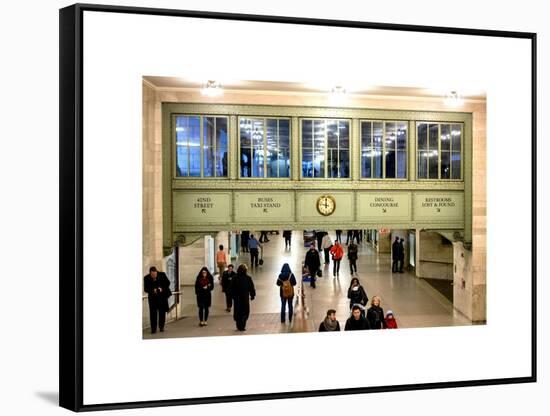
[391,323]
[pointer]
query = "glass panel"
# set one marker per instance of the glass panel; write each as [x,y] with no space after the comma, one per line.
[307,163]
[332,134]
[366,164]
[377,135]
[332,163]
[258,162]
[390,163]
[445,165]
[272,162]
[307,133]
[284,133]
[432,164]
[402,135]
[319,163]
[221,162]
[344,163]
[221,146]
[182,161]
[445,137]
[246,130]
[433,136]
[422,136]
[195,160]
[284,162]
[456,137]
[343,134]
[182,146]
[423,164]
[455,165]
[401,164]
[246,162]
[208,134]
[366,149]
[391,137]
[366,135]
[208,163]
[319,134]
[377,163]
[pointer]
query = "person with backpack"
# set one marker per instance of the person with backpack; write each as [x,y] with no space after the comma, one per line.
[375,314]
[337,253]
[286,282]
[352,257]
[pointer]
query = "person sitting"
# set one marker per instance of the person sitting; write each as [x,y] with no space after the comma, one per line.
[356,321]
[330,323]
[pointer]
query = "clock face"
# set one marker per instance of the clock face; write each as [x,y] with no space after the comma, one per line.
[326,205]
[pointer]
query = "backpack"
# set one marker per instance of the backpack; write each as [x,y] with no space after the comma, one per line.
[287,288]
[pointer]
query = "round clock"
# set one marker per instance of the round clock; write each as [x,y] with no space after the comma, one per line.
[326,205]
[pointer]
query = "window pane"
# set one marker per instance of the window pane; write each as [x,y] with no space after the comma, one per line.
[456,137]
[246,162]
[432,164]
[432,142]
[401,164]
[272,154]
[319,134]
[208,125]
[366,149]
[344,163]
[366,164]
[246,130]
[258,162]
[445,137]
[208,161]
[343,134]
[332,163]
[182,161]
[307,163]
[319,163]
[332,134]
[423,164]
[221,147]
[284,162]
[366,135]
[422,136]
[377,163]
[284,133]
[445,165]
[390,164]
[195,160]
[402,136]
[221,162]
[455,165]
[307,133]
[391,137]
[272,162]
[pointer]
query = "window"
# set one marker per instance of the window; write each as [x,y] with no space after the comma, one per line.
[265,147]
[201,146]
[325,149]
[384,149]
[439,151]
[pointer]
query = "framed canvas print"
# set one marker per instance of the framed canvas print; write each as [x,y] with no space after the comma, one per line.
[245,193]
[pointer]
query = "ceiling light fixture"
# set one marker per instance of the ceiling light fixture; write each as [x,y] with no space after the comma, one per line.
[212,89]
[453,99]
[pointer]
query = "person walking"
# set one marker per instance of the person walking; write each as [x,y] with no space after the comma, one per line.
[356,321]
[245,236]
[352,257]
[349,236]
[157,287]
[204,284]
[286,282]
[395,255]
[221,261]
[337,252]
[330,323]
[263,237]
[357,294]
[339,236]
[253,246]
[326,245]
[313,263]
[401,255]
[226,280]
[319,237]
[375,314]
[355,236]
[287,235]
[242,290]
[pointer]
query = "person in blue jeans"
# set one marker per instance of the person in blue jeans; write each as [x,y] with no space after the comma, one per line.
[286,282]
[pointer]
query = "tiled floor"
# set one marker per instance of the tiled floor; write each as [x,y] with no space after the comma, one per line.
[414,302]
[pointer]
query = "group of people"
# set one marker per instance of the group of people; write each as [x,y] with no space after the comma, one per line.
[398,255]
[334,251]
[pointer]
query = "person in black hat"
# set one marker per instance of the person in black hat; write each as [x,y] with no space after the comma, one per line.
[157,286]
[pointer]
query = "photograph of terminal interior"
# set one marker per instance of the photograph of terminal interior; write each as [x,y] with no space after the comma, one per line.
[400,172]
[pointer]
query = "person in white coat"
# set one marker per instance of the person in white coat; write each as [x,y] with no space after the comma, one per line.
[326,244]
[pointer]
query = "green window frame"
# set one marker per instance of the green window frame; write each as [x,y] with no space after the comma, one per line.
[440,151]
[384,155]
[213,144]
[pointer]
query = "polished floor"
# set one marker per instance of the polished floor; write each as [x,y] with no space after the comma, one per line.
[414,302]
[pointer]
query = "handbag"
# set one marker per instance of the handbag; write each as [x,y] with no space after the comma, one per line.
[319,273]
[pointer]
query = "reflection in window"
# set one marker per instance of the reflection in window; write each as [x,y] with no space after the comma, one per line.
[325,148]
[194,146]
[384,149]
[265,147]
[439,150]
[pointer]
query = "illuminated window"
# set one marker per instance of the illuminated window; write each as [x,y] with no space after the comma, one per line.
[383,149]
[439,151]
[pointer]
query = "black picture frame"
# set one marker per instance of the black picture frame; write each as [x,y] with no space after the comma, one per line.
[71,204]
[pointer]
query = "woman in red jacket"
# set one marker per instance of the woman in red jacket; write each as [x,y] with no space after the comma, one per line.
[337,253]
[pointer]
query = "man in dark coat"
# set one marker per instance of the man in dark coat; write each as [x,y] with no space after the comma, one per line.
[356,321]
[226,279]
[242,291]
[245,235]
[157,286]
[313,263]
[395,255]
[401,255]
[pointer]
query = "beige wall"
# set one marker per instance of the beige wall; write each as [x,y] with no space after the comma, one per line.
[152,130]
[434,259]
